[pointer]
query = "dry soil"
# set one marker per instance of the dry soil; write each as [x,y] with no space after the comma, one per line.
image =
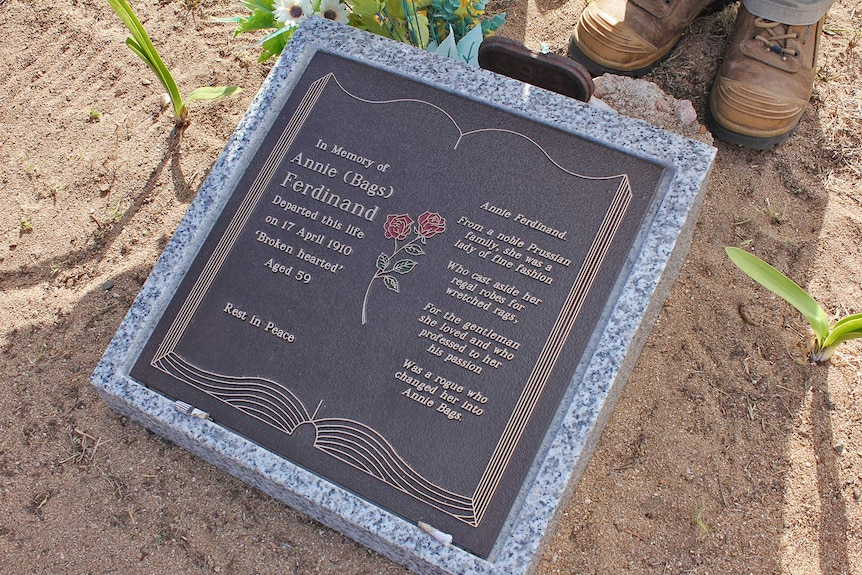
[727,453]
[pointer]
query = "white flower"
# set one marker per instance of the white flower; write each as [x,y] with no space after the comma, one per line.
[292,12]
[333,10]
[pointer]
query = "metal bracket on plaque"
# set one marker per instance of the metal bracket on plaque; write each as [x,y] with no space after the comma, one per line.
[549,71]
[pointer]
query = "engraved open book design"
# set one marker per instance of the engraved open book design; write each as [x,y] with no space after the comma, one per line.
[284,406]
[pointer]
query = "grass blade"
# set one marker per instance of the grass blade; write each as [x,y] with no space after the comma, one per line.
[253,5]
[145,49]
[846,329]
[137,49]
[212,92]
[783,287]
[277,32]
[850,318]
[230,20]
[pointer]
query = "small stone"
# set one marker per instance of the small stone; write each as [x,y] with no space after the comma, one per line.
[645,100]
[685,113]
[146,82]
[839,449]
[107,285]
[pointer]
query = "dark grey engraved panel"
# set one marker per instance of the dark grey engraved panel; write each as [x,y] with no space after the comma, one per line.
[399,291]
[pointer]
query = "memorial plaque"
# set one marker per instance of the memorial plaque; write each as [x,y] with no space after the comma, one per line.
[400,291]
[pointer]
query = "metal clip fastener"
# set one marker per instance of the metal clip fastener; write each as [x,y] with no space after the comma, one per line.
[187,409]
[438,535]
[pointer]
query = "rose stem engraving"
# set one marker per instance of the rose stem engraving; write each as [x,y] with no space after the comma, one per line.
[398,228]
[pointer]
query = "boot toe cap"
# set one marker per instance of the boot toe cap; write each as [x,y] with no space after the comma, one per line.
[610,42]
[753,110]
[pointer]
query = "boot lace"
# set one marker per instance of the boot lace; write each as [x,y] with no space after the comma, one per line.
[774,36]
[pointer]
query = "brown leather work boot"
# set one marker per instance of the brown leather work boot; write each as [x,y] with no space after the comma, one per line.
[765,81]
[630,36]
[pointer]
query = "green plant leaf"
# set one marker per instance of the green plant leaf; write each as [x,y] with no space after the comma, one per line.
[139,50]
[229,20]
[491,24]
[448,48]
[419,31]
[141,45]
[848,319]
[783,287]
[395,9]
[280,31]
[367,7]
[468,46]
[213,92]
[369,23]
[258,20]
[274,46]
[845,329]
[253,5]
[273,43]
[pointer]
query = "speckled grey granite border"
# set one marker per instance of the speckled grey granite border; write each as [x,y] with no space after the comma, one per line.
[574,432]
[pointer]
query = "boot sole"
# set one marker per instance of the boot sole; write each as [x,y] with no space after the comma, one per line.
[597,69]
[743,140]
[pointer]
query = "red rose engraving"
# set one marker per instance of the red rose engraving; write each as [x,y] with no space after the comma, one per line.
[398,227]
[431,224]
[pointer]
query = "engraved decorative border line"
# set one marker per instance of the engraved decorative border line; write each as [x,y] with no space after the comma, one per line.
[349,441]
[462,133]
[550,354]
[240,219]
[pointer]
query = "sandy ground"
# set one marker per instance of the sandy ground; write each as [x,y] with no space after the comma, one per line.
[727,452]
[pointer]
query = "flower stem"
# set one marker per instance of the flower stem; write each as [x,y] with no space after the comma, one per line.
[380,273]
[367,293]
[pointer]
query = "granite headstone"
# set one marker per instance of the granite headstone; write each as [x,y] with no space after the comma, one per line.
[407,296]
